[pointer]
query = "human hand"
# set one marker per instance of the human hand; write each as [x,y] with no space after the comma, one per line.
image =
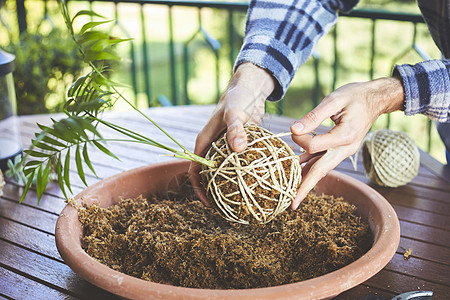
[242,102]
[353,108]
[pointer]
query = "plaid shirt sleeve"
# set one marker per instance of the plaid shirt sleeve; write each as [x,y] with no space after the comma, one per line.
[427,84]
[281,34]
[427,88]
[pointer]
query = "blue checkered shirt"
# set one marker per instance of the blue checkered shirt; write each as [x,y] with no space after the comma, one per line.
[281,35]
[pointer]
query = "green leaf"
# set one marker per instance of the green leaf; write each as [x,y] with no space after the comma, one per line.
[75,127]
[89,13]
[90,25]
[76,85]
[39,181]
[87,125]
[42,180]
[36,153]
[92,37]
[32,163]
[44,146]
[49,140]
[103,44]
[63,132]
[59,176]
[87,160]
[67,170]
[79,164]
[105,150]
[45,129]
[27,186]
[28,170]
[91,55]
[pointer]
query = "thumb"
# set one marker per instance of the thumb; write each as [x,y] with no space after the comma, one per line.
[235,119]
[237,138]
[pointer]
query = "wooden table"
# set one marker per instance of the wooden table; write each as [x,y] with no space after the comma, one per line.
[31,267]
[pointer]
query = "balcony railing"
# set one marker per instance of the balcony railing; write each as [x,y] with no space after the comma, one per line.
[164,72]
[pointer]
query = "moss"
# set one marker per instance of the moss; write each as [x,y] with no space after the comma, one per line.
[177,240]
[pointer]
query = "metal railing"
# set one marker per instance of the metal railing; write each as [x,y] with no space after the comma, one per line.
[179,64]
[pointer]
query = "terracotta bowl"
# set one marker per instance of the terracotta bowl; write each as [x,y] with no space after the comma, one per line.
[160,177]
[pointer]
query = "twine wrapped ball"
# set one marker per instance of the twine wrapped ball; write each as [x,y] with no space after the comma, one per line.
[256,184]
[390,158]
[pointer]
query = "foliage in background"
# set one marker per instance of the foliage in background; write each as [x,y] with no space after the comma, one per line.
[45,64]
[72,136]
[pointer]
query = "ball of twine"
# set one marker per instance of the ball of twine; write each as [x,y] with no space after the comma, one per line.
[259,182]
[2,183]
[390,158]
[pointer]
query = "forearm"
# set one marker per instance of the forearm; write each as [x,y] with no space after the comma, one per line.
[386,94]
[255,80]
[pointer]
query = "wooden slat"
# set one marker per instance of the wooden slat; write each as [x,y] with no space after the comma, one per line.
[435,253]
[29,238]
[425,233]
[422,217]
[27,215]
[52,273]
[18,287]
[361,291]
[48,202]
[422,269]
[420,203]
[398,283]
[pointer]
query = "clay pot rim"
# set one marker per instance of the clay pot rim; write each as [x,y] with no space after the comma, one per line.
[372,262]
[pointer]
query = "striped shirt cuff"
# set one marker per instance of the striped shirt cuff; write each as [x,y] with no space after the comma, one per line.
[273,56]
[427,88]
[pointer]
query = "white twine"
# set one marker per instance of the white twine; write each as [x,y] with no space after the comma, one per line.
[267,170]
[390,158]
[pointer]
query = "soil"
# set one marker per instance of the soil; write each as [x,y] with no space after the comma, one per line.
[174,239]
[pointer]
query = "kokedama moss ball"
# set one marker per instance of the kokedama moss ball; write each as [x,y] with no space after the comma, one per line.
[256,184]
[390,158]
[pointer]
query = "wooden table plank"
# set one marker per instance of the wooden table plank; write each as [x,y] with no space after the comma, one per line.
[398,283]
[434,253]
[13,284]
[27,216]
[425,234]
[49,272]
[29,238]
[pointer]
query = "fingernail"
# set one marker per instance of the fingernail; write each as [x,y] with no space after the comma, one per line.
[238,142]
[298,126]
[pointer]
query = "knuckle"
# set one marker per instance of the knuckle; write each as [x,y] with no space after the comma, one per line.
[312,117]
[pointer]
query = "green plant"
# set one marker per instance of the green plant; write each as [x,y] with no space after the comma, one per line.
[87,98]
[45,64]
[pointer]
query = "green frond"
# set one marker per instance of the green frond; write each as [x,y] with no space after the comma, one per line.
[90,25]
[89,13]
[87,98]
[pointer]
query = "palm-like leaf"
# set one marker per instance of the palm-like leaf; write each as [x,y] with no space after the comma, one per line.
[87,98]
